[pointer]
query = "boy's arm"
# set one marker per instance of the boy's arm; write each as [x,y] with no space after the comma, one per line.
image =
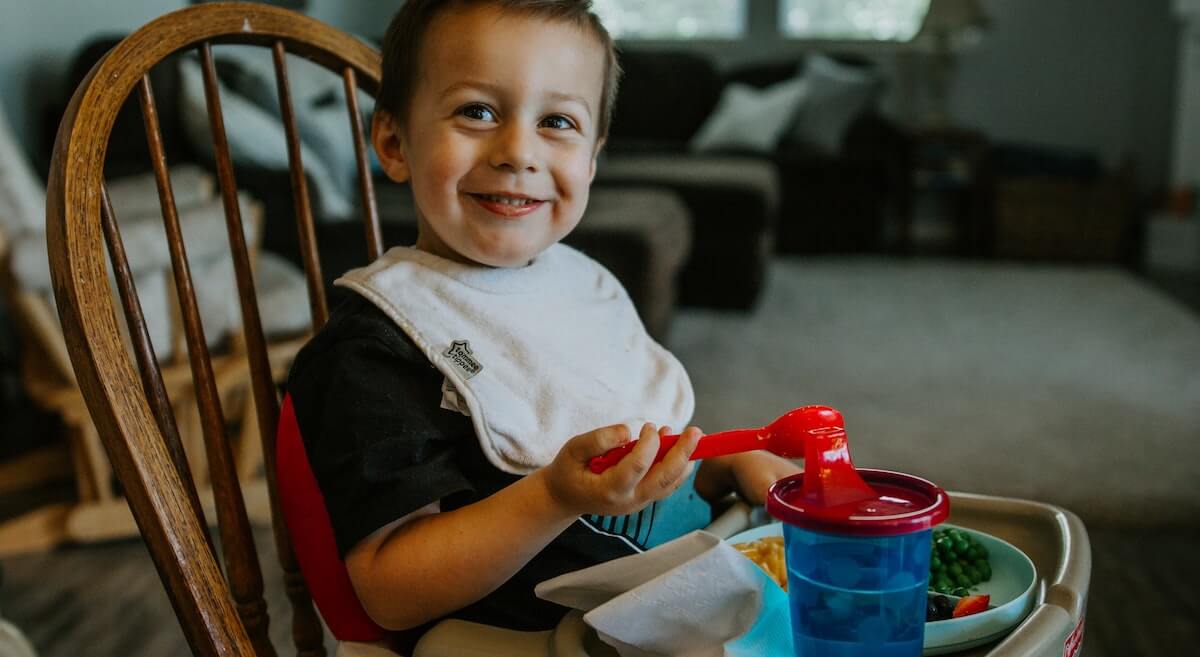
[436,564]
[429,567]
[749,474]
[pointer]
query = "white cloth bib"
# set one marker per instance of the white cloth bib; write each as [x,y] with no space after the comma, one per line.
[539,353]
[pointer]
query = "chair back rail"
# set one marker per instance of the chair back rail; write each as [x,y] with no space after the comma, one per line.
[124,391]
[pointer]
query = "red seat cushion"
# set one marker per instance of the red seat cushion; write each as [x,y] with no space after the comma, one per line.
[312,537]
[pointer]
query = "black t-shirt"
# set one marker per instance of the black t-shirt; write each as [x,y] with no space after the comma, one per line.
[368,404]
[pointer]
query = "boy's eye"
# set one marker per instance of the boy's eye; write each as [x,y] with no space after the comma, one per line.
[557,122]
[477,112]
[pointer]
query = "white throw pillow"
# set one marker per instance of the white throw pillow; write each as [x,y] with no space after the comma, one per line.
[837,93]
[255,137]
[135,197]
[145,241]
[750,119]
[22,193]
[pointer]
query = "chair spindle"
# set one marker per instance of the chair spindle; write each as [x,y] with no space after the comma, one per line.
[237,541]
[365,183]
[304,218]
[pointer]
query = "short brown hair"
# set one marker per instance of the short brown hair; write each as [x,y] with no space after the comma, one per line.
[402,45]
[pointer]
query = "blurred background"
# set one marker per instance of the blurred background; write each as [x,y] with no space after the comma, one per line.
[970,225]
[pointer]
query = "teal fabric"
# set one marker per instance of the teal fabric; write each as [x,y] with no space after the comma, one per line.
[683,512]
[771,634]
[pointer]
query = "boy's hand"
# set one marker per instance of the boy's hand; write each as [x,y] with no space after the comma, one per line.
[750,474]
[626,487]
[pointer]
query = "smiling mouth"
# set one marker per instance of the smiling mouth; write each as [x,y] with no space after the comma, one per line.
[507,206]
[515,201]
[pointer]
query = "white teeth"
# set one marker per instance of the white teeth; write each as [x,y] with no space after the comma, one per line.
[505,200]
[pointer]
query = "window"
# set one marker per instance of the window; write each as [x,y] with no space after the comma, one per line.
[673,19]
[854,20]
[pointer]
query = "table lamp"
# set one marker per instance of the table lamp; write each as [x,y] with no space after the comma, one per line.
[949,27]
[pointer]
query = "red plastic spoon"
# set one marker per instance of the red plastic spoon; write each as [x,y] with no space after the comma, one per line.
[787,436]
[830,478]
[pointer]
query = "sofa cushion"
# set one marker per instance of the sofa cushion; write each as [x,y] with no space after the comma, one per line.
[136,197]
[145,240]
[751,120]
[643,236]
[733,203]
[752,175]
[663,96]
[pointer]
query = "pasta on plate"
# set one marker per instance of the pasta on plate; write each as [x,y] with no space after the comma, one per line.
[767,553]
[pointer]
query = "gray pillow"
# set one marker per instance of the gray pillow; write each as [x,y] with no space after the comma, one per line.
[255,137]
[749,119]
[837,94]
[319,101]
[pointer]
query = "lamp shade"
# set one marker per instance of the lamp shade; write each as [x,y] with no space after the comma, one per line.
[953,24]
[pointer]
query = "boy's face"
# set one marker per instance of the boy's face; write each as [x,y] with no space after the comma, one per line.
[500,139]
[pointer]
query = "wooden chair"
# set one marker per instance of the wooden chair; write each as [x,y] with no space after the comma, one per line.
[222,613]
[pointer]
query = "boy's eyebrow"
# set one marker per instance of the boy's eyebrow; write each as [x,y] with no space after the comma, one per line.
[496,90]
[558,95]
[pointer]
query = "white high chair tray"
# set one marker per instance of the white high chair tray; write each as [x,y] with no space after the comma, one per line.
[1052,538]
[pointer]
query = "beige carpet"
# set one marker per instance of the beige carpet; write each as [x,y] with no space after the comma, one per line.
[1075,386]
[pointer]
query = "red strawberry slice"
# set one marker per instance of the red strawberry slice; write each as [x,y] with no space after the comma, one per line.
[971,604]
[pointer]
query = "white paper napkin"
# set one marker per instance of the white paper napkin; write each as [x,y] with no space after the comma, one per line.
[695,596]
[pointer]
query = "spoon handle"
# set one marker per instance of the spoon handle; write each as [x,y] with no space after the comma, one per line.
[714,444]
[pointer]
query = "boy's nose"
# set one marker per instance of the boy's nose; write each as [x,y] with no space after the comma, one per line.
[514,149]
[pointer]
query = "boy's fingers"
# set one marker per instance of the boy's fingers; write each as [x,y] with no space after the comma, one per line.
[636,463]
[675,467]
[598,442]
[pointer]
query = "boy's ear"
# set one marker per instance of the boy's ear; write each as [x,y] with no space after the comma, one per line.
[595,158]
[387,139]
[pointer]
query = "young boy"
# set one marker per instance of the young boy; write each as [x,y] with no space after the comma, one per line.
[450,408]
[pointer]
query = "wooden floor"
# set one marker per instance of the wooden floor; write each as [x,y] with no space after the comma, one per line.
[106,601]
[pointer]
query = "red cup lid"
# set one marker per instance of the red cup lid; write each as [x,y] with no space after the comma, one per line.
[905,504]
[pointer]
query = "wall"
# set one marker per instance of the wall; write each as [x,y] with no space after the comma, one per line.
[1084,74]
[368,18]
[37,41]
[1098,75]
[39,38]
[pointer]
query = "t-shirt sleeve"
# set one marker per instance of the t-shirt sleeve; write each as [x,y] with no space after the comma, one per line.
[378,441]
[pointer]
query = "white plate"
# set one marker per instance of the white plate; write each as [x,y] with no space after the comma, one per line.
[1011,589]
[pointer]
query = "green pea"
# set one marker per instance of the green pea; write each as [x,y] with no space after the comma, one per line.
[955,568]
[960,591]
[985,570]
[960,546]
[963,580]
[935,563]
[973,574]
